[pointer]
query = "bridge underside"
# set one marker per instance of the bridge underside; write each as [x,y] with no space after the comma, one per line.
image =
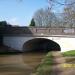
[41,45]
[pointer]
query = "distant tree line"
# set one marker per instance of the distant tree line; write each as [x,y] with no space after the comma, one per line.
[45,17]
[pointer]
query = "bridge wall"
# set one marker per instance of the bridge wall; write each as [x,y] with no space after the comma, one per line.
[17,42]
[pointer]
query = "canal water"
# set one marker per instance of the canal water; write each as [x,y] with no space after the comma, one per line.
[20,64]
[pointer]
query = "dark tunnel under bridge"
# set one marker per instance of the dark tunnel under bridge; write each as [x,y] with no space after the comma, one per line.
[40,45]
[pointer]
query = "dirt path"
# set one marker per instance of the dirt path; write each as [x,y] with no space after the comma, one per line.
[59,65]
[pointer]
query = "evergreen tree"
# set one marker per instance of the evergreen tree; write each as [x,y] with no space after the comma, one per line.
[32,22]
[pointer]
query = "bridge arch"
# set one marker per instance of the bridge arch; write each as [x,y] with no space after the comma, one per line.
[41,45]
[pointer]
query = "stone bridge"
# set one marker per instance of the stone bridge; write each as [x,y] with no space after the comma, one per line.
[35,38]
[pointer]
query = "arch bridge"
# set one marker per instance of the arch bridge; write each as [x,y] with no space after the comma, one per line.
[38,39]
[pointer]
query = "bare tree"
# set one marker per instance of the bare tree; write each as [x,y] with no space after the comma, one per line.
[69,14]
[44,18]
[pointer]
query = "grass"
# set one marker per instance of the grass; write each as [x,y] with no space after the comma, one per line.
[69,53]
[45,67]
[69,56]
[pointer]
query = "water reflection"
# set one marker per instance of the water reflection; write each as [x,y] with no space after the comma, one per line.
[21,64]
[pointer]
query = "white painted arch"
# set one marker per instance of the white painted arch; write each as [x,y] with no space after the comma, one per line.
[66,43]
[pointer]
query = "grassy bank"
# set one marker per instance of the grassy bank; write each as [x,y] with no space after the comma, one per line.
[45,66]
[69,53]
[69,56]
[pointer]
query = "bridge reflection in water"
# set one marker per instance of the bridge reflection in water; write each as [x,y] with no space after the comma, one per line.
[20,64]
